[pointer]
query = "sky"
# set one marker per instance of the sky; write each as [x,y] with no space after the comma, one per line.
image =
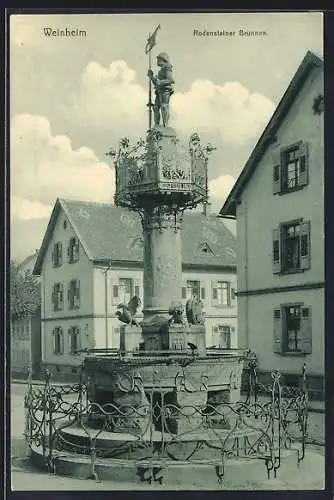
[73,98]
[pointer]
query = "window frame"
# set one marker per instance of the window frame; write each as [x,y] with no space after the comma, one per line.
[57,254]
[279,247]
[281,330]
[58,331]
[280,168]
[58,304]
[74,331]
[214,293]
[74,299]
[73,252]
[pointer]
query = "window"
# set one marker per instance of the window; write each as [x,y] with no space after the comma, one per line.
[73,250]
[222,336]
[292,329]
[222,294]
[75,339]
[57,255]
[291,247]
[290,171]
[58,341]
[58,297]
[73,294]
[124,290]
[193,288]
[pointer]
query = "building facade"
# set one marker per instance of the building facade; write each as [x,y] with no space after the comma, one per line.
[278,202]
[91,260]
[25,338]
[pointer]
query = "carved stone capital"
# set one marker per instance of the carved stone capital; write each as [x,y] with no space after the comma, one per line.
[162,218]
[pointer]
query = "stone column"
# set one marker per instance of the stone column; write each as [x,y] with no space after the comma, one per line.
[162,259]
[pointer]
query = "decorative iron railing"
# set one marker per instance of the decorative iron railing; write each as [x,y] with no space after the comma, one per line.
[157,432]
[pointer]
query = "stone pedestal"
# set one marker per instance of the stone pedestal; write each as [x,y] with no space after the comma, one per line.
[130,337]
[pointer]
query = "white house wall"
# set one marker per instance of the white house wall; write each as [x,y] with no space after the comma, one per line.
[259,212]
[82,270]
[214,316]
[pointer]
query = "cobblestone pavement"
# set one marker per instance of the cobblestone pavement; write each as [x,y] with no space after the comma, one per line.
[26,478]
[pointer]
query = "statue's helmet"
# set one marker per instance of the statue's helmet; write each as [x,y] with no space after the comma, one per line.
[164,56]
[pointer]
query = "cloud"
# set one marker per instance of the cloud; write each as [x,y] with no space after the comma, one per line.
[45,166]
[231,108]
[23,209]
[219,189]
[109,98]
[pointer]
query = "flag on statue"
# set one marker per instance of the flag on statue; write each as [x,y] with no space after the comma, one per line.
[151,41]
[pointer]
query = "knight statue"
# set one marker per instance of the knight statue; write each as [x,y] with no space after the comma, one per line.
[164,87]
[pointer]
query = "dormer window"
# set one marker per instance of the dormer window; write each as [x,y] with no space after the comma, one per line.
[73,250]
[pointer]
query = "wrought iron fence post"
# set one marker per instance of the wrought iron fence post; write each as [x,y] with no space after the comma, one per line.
[45,404]
[303,411]
[28,416]
[80,396]
[276,420]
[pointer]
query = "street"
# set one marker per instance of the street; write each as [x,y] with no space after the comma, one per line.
[26,478]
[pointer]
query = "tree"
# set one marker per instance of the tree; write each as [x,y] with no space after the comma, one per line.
[25,292]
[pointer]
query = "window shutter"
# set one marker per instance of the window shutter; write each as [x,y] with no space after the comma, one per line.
[306,330]
[276,255]
[305,255]
[53,258]
[77,293]
[203,293]
[115,295]
[184,292]
[276,172]
[54,341]
[69,295]
[232,293]
[53,297]
[214,292]
[61,296]
[61,335]
[60,254]
[78,338]
[76,249]
[304,164]
[69,252]
[278,331]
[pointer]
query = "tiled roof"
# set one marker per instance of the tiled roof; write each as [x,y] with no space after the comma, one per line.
[310,61]
[112,233]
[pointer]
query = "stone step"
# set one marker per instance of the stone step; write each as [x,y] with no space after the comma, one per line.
[192,472]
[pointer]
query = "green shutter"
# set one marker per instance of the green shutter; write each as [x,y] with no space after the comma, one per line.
[276,172]
[69,252]
[276,251]
[306,330]
[232,293]
[304,248]
[304,164]
[278,347]
[203,293]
